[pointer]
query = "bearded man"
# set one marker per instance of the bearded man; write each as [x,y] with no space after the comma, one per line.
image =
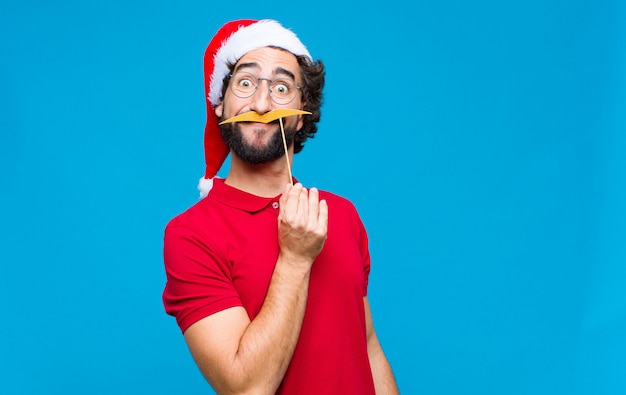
[268,279]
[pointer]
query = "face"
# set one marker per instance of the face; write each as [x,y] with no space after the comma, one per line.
[257,142]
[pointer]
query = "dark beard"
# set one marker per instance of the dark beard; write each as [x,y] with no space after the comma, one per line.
[273,150]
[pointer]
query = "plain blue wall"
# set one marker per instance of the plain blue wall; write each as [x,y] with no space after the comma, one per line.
[483,143]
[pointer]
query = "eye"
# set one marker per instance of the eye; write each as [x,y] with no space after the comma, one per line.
[245,83]
[282,88]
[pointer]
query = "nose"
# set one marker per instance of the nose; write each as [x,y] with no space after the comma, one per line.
[261,100]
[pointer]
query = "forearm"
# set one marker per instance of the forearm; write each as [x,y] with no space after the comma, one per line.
[268,343]
[384,380]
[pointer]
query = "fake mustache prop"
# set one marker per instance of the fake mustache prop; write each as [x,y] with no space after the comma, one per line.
[279,113]
[253,116]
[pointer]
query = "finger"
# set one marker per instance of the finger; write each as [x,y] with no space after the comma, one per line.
[290,206]
[313,207]
[283,198]
[303,206]
[282,201]
[322,220]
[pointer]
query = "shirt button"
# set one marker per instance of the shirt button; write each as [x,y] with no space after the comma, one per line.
[275,204]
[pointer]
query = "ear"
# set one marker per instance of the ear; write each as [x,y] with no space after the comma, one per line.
[219,110]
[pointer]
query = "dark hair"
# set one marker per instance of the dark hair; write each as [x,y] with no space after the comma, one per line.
[313,74]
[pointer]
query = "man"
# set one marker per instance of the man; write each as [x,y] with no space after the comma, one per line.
[268,280]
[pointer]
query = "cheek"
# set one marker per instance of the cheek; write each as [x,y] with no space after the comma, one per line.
[232,106]
[293,123]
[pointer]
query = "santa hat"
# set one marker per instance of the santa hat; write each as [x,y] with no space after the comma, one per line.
[230,43]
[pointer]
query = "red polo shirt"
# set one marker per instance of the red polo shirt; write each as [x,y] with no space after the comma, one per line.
[221,253]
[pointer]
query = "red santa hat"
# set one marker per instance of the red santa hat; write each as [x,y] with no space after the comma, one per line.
[230,43]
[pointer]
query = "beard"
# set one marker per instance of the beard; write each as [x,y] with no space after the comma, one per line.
[271,151]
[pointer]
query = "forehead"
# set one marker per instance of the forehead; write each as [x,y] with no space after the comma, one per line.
[267,60]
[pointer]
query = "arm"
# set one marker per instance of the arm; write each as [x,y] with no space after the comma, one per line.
[237,355]
[384,380]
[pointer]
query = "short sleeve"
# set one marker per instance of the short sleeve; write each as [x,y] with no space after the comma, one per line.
[365,254]
[198,279]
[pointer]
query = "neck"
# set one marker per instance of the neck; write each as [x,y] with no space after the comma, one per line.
[266,179]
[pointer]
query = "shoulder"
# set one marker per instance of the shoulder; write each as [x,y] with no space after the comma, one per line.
[203,219]
[341,207]
[191,216]
[338,200]
[335,199]
[195,235]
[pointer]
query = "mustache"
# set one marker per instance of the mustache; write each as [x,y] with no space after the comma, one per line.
[253,116]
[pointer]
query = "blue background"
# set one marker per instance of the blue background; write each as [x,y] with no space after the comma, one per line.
[483,143]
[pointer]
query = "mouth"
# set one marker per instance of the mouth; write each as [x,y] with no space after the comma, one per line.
[253,116]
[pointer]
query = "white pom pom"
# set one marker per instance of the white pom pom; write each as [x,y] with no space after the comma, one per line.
[204,186]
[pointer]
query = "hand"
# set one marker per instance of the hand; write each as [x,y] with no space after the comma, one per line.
[302,224]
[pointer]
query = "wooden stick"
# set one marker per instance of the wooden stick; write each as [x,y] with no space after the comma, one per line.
[282,130]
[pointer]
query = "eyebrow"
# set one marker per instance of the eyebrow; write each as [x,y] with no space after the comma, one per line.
[253,65]
[250,65]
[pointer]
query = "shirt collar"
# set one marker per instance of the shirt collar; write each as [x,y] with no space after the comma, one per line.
[237,198]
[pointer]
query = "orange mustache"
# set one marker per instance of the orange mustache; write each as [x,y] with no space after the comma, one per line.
[253,116]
